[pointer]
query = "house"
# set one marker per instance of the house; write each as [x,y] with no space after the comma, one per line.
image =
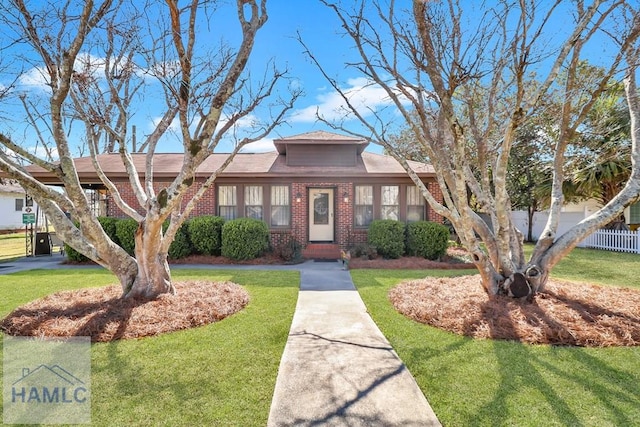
[570,215]
[319,188]
[12,202]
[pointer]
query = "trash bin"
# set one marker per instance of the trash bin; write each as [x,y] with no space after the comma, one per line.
[43,244]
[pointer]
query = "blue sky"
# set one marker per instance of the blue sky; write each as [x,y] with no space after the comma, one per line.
[276,41]
[320,29]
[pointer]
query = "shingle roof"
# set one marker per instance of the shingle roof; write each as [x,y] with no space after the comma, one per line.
[11,187]
[167,165]
[265,165]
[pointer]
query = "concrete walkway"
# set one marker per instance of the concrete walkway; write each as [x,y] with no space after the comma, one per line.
[337,368]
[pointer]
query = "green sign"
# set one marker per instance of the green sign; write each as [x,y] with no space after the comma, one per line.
[28,218]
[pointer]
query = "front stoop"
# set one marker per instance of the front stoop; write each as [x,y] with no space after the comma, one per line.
[321,251]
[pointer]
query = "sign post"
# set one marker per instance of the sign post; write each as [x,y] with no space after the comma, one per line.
[28,219]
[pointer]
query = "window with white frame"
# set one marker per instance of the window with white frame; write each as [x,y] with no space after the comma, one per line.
[19,205]
[415,204]
[363,206]
[280,206]
[390,202]
[253,201]
[227,202]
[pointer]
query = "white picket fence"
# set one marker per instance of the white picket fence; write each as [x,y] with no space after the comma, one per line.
[614,240]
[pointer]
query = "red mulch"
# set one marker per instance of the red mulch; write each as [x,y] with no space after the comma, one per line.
[575,314]
[101,314]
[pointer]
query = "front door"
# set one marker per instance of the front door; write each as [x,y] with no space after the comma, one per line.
[321,214]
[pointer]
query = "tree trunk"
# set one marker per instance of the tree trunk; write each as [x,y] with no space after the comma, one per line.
[153,276]
[531,211]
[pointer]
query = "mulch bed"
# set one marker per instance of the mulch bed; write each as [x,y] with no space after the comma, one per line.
[101,314]
[575,314]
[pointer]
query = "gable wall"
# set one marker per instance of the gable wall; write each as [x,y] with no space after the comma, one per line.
[321,155]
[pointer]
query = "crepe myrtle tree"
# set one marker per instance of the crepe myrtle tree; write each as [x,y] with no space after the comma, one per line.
[101,62]
[459,74]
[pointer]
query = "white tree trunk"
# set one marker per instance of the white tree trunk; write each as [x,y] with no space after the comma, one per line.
[154,276]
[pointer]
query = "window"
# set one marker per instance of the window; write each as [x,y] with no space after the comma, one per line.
[19,205]
[227,202]
[363,209]
[415,205]
[390,202]
[253,201]
[280,207]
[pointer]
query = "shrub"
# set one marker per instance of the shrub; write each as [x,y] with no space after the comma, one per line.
[365,251]
[108,224]
[205,233]
[126,231]
[290,252]
[427,239]
[244,238]
[387,236]
[181,246]
[73,255]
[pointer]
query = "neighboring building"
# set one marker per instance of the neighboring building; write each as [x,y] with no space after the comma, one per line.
[570,215]
[12,202]
[319,188]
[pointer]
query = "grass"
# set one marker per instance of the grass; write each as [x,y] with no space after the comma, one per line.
[498,383]
[222,374]
[12,246]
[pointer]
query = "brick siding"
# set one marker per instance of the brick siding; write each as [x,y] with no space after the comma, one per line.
[345,234]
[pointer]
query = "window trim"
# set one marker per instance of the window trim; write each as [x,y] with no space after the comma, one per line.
[378,206]
[241,206]
[272,205]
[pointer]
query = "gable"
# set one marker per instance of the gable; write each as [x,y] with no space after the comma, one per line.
[321,155]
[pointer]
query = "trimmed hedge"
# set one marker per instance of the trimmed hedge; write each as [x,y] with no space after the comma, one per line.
[387,236]
[427,239]
[126,231]
[205,234]
[181,246]
[244,238]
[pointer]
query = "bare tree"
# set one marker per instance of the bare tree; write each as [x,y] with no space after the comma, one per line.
[459,78]
[207,91]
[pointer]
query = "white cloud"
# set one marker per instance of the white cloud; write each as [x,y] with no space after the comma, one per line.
[262,146]
[42,153]
[35,78]
[363,94]
[246,122]
[173,127]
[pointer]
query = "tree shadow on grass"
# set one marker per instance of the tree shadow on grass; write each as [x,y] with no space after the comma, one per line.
[529,376]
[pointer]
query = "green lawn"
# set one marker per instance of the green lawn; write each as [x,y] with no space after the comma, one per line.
[12,246]
[224,373]
[221,374]
[497,383]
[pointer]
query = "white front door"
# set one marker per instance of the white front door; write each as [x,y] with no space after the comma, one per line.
[321,214]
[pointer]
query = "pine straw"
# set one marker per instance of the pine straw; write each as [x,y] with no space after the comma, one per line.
[567,313]
[101,314]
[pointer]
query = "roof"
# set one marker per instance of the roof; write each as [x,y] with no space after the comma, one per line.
[11,187]
[254,165]
[319,137]
[271,164]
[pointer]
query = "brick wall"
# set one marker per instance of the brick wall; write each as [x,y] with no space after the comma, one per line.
[434,188]
[205,206]
[345,234]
